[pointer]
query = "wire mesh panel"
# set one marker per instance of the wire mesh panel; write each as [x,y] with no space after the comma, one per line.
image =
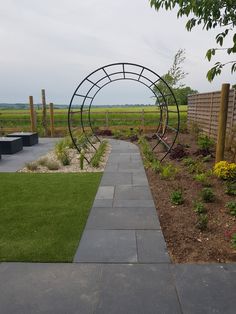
[86,92]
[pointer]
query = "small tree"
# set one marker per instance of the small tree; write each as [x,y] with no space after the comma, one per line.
[211,14]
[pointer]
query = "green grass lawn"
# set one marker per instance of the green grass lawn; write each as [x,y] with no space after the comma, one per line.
[42,216]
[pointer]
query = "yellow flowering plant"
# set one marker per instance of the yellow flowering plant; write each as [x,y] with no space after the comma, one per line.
[225,170]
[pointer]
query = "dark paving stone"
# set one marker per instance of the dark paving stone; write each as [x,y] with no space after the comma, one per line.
[110,178]
[129,192]
[123,218]
[151,247]
[107,246]
[137,289]
[103,203]
[48,288]
[105,192]
[133,203]
[206,288]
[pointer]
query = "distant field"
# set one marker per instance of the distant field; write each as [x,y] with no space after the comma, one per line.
[100,117]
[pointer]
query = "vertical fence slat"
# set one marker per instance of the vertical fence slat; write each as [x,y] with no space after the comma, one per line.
[32,114]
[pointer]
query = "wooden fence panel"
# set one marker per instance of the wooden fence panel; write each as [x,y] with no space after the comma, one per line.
[203,109]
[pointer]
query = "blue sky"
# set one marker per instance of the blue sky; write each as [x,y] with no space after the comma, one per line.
[54,44]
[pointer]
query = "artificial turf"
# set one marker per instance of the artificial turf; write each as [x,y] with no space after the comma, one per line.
[42,216]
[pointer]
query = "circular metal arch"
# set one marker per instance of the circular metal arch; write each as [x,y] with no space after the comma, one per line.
[85,93]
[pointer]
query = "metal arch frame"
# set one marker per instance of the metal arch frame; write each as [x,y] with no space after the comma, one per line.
[163,106]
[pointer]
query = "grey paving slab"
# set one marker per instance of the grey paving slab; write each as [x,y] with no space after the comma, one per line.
[123,218]
[111,178]
[105,192]
[151,247]
[49,288]
[139,179]
[103,246]
[132,165]
[111,167]
[137,289]
[13,163]
[133,203]
[103,203]
[130,192]
[206,288]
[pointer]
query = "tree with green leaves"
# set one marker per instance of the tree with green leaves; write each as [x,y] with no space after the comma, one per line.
[174,78]
[210,14]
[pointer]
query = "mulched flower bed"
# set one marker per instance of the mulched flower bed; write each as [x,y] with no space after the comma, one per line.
[185,242]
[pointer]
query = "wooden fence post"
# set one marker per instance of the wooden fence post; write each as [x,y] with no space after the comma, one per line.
[44,111]
[107,119]
[51,119]
[222,122]
[32,115]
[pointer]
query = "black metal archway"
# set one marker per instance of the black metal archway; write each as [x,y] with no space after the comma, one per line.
[84,95]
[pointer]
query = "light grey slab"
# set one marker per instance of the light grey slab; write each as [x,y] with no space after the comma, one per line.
[105,192]
[133,165]
[111,178]
[151,247]
[206,288]
[130,192]
[103,203]
[133,203]
[111,168]
[48,288]
[102,246]
[123,218]
[137,289]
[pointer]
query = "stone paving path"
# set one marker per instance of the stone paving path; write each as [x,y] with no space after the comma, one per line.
[121,265]
[14,162]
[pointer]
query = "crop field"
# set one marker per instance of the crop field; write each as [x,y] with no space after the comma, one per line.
[100,117]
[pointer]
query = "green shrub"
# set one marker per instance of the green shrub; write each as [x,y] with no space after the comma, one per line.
[155,166]
[233,240]
[62,153]
[204,142]
[230,187]
[194,166]
[199,208]
[225,170]
[232,207]
[97,157]
[202,222]
[168,171]
[53,165]
[203,178]
[207,195]
[32,166]
[81,160]
[177,197]
[43,161]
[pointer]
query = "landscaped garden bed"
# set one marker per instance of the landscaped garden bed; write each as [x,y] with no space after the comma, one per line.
[66,158]
[197,209]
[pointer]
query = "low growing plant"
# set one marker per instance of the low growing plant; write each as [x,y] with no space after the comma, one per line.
[202,222]
[168,171]
[225,170]
[199,208]
[203,178]
[232,207]
[96,159]
[32,166]
[177,197]
[155,165]
[43,161]
[230,187]
[207,195]
[81,160]
[233,240]
[53,165]
[205,142]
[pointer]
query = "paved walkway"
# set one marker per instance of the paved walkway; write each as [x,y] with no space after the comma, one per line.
[121,265]
[14,162]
